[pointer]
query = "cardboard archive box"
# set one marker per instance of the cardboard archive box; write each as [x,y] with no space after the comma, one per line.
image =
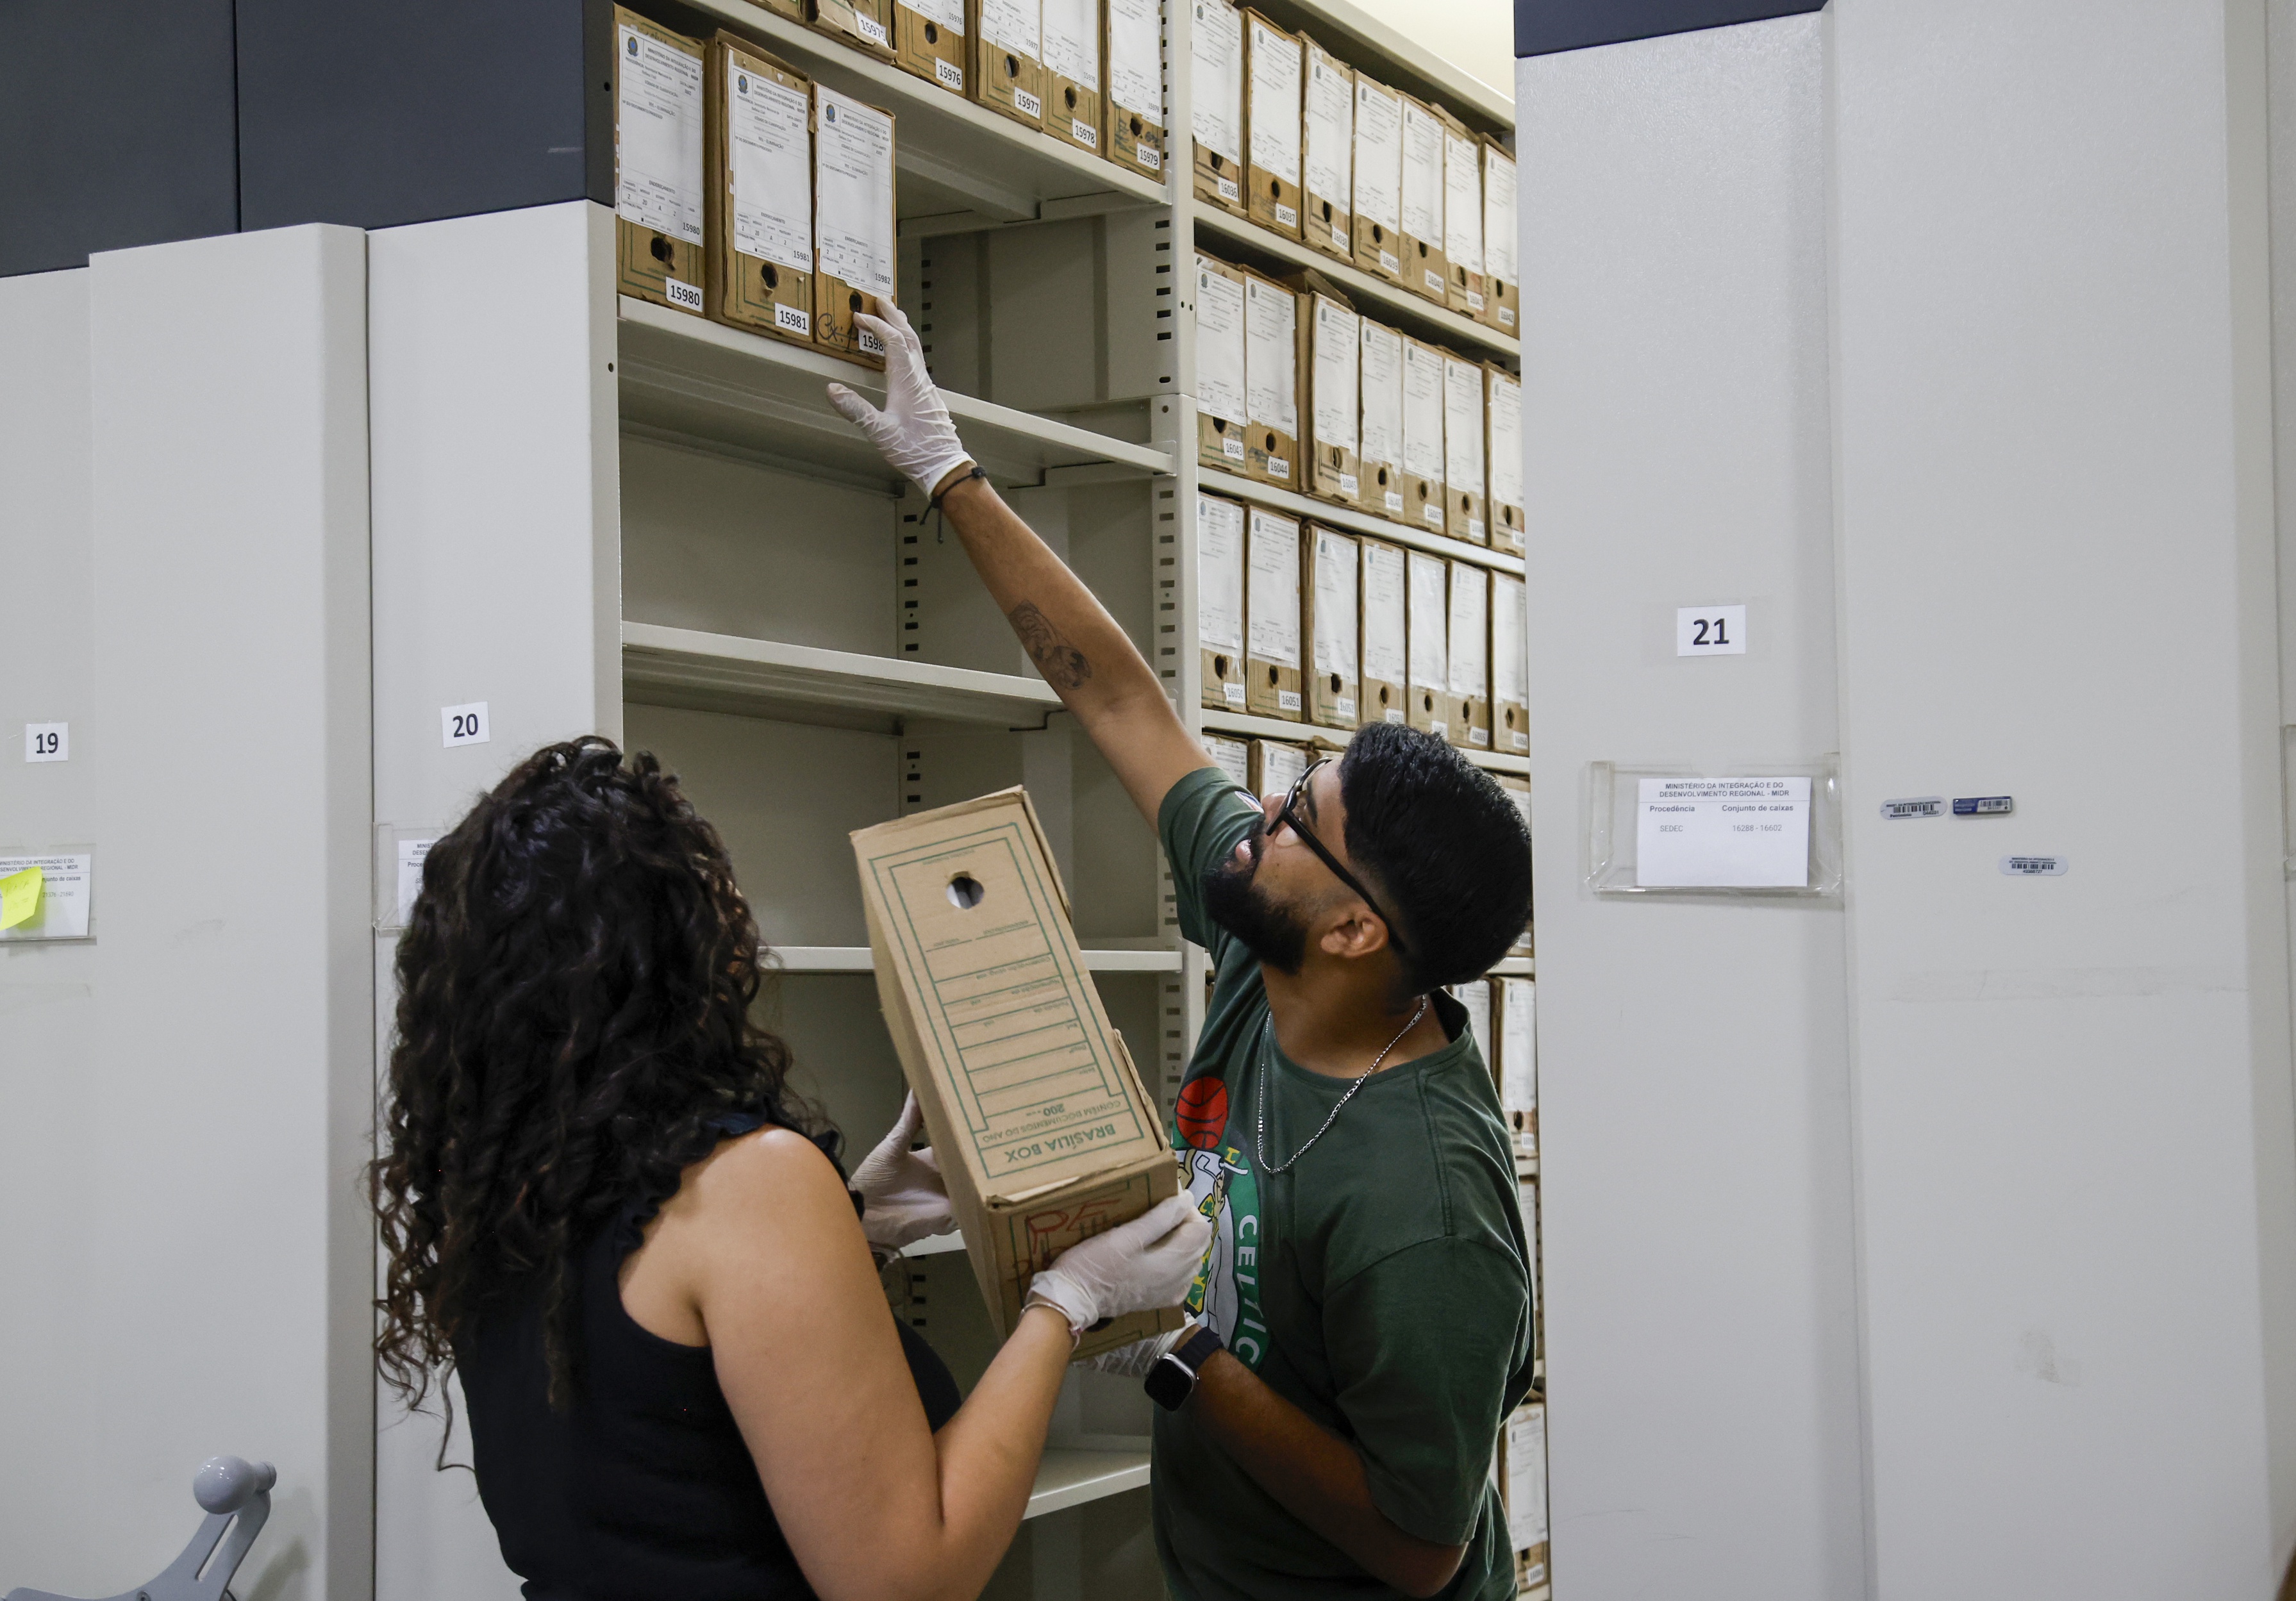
[1425,269]
[1475,995]
[1383,661]
[1503,458]
[1132,111]
[1501,304]
[1509,667]
[1379,437]
[1276,765]
[1329,358]
[759,212]
[1423,436]
[928,41]
[853,226]
[1271,381]
[1327,154]
[1219,601]
[1231,756]
[1006,73]
[1522,1478]
[1223,403]
[1271,132]
[1216,114]
[1517,1066]
[1044,1133]
[1271,604]
[1427,596]
[1073,77]
[1375,191]
[1463,216]
[1518,790]
[866,25]
[1469,713]
[1334,619]
[657,165]
[1463,422]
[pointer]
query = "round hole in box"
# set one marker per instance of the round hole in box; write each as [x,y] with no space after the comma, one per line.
[1218,161]
[660,247]
[965,892]
[1012,66]
[772,277]
[1069,94]
[1219,666]
[856,300]
[1335,683]
[1378,234]
[1271,676]
[933,33]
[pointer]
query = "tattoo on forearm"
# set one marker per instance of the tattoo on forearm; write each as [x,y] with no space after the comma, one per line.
[1063,665]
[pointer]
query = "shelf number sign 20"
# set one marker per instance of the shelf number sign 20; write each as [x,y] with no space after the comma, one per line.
[1709,631]
[464,725]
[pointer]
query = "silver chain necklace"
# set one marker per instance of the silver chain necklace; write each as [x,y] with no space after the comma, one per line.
[1267,1071]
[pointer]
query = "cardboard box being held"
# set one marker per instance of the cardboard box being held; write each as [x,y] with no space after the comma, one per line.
[1044,1133]
[853,226]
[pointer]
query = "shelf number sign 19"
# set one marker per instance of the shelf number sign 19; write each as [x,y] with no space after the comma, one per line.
[464,725]
[47,742]
[1709,631]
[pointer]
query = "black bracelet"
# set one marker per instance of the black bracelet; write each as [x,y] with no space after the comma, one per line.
[933,505]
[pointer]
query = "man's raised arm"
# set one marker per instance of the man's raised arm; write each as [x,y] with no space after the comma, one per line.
[1090,662]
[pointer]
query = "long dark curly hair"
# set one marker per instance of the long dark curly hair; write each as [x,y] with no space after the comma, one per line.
[575,988]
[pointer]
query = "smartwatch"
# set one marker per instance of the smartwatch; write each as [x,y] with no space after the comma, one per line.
[1173,1379]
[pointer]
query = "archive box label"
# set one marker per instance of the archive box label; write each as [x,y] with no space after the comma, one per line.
[48,896]
[1723,833]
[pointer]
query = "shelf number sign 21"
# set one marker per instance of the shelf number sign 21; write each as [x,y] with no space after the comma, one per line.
[464,725]
[1709,631]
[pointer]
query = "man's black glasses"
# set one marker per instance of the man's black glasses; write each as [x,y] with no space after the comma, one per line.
[1289,815]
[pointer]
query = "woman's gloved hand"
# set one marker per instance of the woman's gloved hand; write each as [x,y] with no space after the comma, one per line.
[1136,1267]
[913,431]
[902,1197]
[1133,1361]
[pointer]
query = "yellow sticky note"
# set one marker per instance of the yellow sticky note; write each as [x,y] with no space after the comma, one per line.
[20,897]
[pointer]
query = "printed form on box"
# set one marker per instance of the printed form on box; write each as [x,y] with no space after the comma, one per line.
[769,139]
[1382,375]
[1505,442]
[1013,25]
[1470,637]
[1220,364]
[1335,389]
[1431,604]
[1422,174]
[1216,51]
[1463,201]
[658,137]
[1377,189]
[1518,1046]
[1463,428]
[1423,411]
[1219,575]
[1272,590]
[1329,157]
[1384,632]
[1275,120]
[1336,564]
[1498,216]
[1135,57]
[1271,354]
[853,192]
[1510,663]
[1072,41]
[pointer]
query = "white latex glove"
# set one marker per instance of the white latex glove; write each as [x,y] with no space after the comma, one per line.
[902,1197]
[1133,1361]
[1136,1267]
[913,430]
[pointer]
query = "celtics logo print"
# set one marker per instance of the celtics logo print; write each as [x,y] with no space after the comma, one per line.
[1225,1294]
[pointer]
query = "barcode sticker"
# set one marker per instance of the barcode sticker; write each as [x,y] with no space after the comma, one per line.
[1506,317]
[1394,501]
[1474,301]
[2033,866]
[1348,483]
[1432,514]
[1923,805]
[1389,262]
[681,294]
[1434,280]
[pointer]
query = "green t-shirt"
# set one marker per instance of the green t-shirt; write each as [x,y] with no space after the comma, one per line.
[1381,1285]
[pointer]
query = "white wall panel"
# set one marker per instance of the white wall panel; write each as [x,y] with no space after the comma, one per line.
[189,1229]
[1700,1311]
[2057,569]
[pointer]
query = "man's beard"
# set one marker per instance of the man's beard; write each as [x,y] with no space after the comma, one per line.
[1277,934]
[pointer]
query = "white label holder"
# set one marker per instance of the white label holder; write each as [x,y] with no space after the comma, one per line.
[1614,807]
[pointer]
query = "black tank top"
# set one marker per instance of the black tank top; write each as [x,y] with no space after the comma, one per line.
[643,1489]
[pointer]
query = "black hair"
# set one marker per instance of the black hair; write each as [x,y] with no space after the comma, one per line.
[1444,846]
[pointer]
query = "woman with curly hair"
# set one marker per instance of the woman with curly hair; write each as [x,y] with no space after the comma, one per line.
[603,1208]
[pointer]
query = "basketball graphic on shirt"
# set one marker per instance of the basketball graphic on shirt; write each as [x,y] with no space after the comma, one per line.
[1201,1114]
[1225,1294]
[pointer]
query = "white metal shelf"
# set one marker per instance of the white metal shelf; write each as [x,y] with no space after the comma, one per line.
[1374,297]
[856,959]
[1512,968]
[1069,1478]
[683,376]
[1394,59]
[1268,727]
[952,155]
[1214,481]
[757,677]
